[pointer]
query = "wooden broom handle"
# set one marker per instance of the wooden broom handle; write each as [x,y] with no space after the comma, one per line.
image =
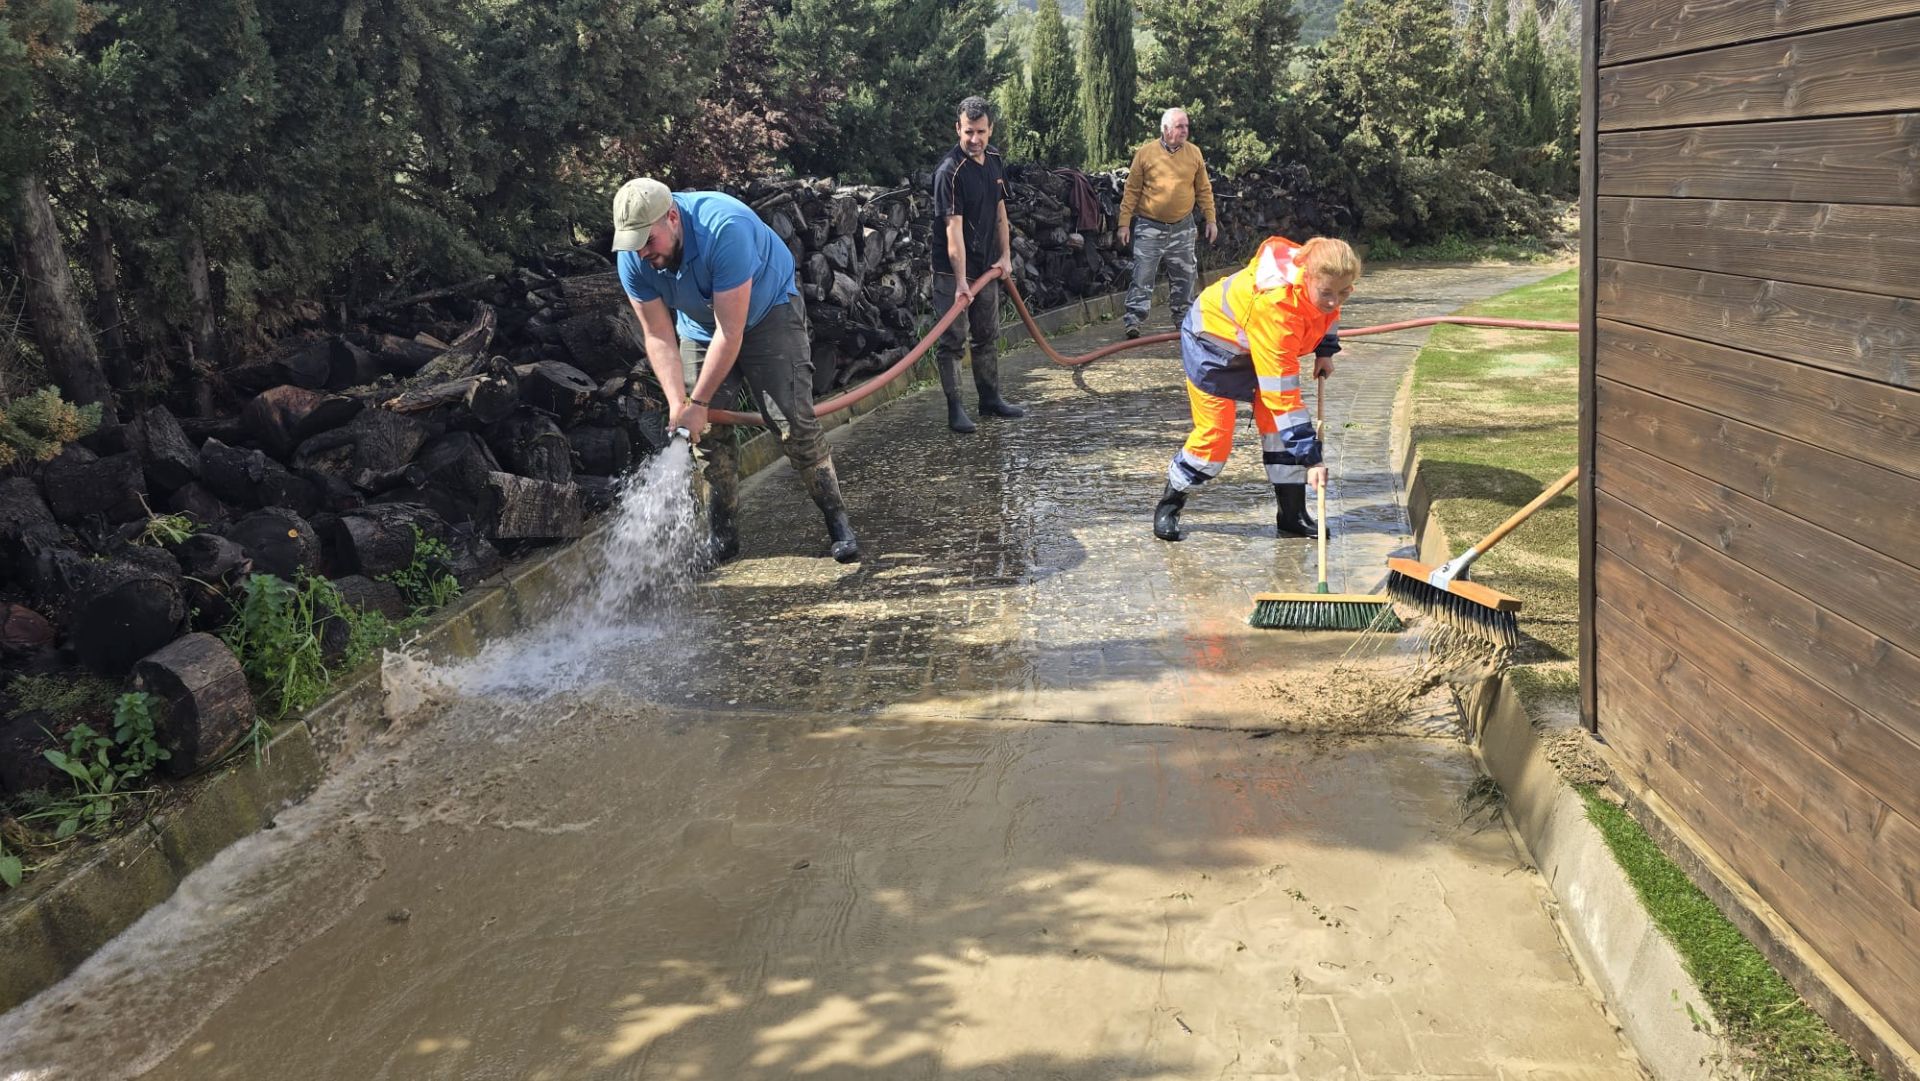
[1541,500]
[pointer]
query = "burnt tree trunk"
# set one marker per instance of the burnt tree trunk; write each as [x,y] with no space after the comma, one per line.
[27,526]
[603,452]
[524,509]
[22,630]
[556,387]
[401,356]
[278,541]
[378,539]
[122,609]
[473,401]
[531,445]
[211,568]
[352,366]
[59,326]
[282,418]
[468,350]
[169,459]
[368,595]
[80,485]
[206,707]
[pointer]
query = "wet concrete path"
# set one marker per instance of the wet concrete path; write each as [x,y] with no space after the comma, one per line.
[823,822]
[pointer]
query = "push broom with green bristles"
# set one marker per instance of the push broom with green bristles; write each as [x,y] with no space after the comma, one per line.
[1323,610]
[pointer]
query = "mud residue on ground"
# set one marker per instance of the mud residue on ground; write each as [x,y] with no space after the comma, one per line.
[1352,698]
[1571,752]
[1371,692]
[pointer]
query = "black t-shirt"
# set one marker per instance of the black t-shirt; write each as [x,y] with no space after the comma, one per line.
[974,191]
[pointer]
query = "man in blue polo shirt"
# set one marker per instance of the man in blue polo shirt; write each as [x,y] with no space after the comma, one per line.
[713,289]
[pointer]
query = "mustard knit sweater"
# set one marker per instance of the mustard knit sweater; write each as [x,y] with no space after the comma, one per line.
[1165,186]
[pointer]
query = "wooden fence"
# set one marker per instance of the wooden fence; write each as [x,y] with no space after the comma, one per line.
[1751,423]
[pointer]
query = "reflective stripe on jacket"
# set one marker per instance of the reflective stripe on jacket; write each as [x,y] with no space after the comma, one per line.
[1246,333]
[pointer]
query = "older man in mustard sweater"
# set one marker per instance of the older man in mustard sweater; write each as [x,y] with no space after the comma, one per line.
[1167,183]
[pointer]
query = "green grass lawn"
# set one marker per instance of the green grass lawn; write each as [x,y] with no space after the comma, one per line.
[1495,416]
[1496,419]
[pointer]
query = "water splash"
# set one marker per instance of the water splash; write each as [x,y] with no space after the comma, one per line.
[650,549]
[630,590]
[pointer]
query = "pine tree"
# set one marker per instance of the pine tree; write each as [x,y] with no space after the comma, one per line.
[1055,90]
[1108,83]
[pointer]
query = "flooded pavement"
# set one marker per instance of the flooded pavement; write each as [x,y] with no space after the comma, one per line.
[817,821]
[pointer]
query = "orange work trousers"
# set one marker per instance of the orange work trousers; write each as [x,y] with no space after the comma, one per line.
[1211,440]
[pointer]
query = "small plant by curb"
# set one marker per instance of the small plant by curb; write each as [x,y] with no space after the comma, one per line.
[424,582]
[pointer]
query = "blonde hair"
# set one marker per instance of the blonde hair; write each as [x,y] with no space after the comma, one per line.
[1325,257]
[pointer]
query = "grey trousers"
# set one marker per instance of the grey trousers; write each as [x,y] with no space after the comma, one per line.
[773,374]
[1156,243]
[981,325]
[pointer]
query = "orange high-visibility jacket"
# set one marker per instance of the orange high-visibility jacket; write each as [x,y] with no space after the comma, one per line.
[1246,333]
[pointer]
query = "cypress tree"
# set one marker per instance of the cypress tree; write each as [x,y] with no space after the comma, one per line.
[1055,90]
[1111,72]
[1533,98]
[1012,117]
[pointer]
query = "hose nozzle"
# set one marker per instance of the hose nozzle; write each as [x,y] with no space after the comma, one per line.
[681,434]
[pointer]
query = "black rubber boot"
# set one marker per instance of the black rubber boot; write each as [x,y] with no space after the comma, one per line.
[723,537]
[957,418]
[986,380]
[824,487]
[1292,519]
[1166,513]
[723,499]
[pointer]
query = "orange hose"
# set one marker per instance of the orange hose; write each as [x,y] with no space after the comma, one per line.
[899,367]
[846,398]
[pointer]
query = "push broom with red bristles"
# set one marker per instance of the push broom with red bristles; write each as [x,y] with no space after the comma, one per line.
[1445,594]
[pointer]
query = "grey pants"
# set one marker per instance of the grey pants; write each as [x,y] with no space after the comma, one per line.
[773,374]
[981,325]
[1156,243]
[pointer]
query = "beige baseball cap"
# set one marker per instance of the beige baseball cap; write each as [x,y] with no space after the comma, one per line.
[636,207]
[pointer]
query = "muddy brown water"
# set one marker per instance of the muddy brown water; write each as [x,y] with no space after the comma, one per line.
[1021,796]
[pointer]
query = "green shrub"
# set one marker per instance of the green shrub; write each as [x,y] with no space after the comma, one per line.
[99,784]
[165,530]
[35,427]
[133,734]
[276,633]
[425,582]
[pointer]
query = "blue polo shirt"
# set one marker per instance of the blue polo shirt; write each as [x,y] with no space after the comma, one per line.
[723,243]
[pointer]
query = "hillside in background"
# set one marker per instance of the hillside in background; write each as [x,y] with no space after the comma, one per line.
[1316,16]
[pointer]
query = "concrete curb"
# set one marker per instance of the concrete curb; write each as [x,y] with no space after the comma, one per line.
[59,917]
[56,920]
[1637,970]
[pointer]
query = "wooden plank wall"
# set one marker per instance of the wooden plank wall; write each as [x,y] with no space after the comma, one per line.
[1753,430]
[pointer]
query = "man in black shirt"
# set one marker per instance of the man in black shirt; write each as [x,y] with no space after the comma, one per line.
[970,214]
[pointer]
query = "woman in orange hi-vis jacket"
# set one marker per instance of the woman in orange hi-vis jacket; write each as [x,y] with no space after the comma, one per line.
[1242,341]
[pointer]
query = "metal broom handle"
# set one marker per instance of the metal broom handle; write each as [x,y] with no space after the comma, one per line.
[1320,433]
